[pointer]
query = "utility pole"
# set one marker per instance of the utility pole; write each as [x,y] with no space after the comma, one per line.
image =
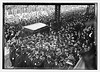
[57,25]
[87,10]
[57,13]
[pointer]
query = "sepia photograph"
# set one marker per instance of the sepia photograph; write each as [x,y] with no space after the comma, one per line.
[54,36]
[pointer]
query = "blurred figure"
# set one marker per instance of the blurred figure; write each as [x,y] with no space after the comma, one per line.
[90,58]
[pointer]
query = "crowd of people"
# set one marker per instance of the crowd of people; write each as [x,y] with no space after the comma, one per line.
[50,50]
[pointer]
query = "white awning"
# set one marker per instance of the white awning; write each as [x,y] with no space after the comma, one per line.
[35,26]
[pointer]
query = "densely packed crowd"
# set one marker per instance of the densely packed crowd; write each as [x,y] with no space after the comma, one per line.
[55,49]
